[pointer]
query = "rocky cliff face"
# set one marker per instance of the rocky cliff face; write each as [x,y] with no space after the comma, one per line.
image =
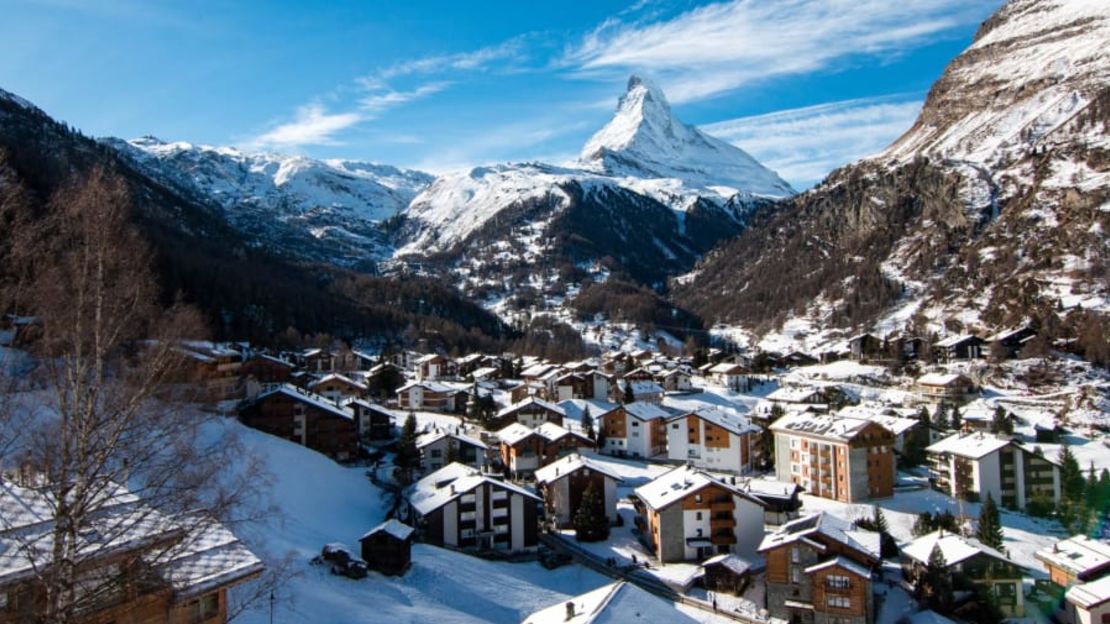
[991,210]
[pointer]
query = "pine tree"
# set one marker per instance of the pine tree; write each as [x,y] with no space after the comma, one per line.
[880,520]
[940,418]
[1071,476]
[629,396]
[588,424]
[956,419]
[923,417]
[1000,423]
[935,583]
[590,523]
[407,454]
[923,525]
[989,531]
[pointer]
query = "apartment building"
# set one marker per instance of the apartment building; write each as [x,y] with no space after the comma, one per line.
[844,459]
[714,439]
[636,429]
[687,514]
[976,464]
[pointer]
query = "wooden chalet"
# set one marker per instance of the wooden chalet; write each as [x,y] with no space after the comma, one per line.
[562,484]
[727,574]
[375,423]
[387,548]
[305,418]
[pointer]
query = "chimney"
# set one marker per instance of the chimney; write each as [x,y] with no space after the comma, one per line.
[570,612]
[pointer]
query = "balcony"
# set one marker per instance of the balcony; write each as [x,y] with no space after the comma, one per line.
[728,522]
[718,504]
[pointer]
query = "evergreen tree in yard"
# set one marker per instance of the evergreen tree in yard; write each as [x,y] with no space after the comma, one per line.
[590,523]
[407,454]
[934,585]
[629,396]
[588,424]
[1071,475]
[956,420]
[989,530]
[880,520]
[1000,423]
[923,417]
[923,525]
[940,418]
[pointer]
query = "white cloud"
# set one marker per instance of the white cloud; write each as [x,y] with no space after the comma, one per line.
[723,46]
[377,103]
[474,60]
[312,125]
[804,144]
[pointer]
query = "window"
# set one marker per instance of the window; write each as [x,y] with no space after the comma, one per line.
[795,555]
[838,582]
[437,453]
[697,516]
[635,423]
[674,426]
[204,608]
[697,498]
[794,443]
[795,575]
[839,602]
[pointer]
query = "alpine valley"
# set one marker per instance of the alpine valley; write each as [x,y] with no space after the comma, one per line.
[991,210]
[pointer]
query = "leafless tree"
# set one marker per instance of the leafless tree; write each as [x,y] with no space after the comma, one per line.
[108,409]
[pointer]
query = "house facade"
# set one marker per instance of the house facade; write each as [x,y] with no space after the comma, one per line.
[439,448]
[713,439]
[531,412]
[976,562]
[305,418]
[689,515]
[844,459]
[459,507]
[974,465]
[562,484]
[427,395]
[635,430]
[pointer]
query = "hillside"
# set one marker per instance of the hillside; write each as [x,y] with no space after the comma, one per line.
[990,211]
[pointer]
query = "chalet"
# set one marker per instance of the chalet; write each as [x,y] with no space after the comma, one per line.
[531,412]
[571,386]
[1087,603]
[336,387]
[467,364]
[964,347]
[730,375]
[975,562]
[432,367]
[902,422]
[978,415]
[714,439]
[439,448]
[316,360]
[523,449]
[562,484]
[635,430]
[215,369]
[688,515]
[819,569]
[262,370]
[365,361]
[375,423]
[576,410]
[727,573]
[865,347]
[796,396]
[428,395]
[537,371]
[387,548]
[639,374]
[617,602]
[459,507]
[675,380]
[1077,559]
[844,459]
[137,563]
[797,358]
[305,418]
[975,465]
[781,500]
[1008,343]
[642,390]
[950,388]
[485,373]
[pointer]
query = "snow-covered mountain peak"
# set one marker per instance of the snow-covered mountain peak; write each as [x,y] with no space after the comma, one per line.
[644,139]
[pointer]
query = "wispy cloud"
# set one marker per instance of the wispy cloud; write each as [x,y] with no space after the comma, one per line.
[473,60]
[311,125]
[804,144]
[376,103]
[723,46]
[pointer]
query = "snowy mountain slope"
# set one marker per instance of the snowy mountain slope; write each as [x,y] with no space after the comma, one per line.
[991,210]
[325,210]
[645,140]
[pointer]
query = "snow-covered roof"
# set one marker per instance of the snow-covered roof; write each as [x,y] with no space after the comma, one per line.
[431,357]
[617,603]
[676,484]
[643,410]
[735,563]
[1006,333]
[514,433]
[337,377]
[643,386]
[551,407]
[827,426]
[395,528]
[484,371]
[431,386]
[843,563]
[770,488]
[432,437]
[795,395]
[450,482]
[574,408]
[828,525]
[567,465]
[723,418]
[1079,555]
[208,556]
[970,445]
[955,548]
[952,341]
[725,368]
[895,424]
[1090,595]
[370,406]
[310,398]
[940,379]
[537,370]
[552,432]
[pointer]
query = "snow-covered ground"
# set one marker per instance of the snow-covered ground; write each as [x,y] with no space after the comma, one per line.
[318,501]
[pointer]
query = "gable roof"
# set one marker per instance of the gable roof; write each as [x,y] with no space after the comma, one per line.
[795,395]
[827,426]
[840,562]
[551,407]
[309,398]
[675,484]
[1089,595]
[514,433]
[574,408]
[393,527]
[829,526]
[975,445]
[955,548]
[941,379]
[432,437]
[734,563]
[643,410]
[725,419]
[450,482]
[1078,554]
[431,386]
[616,603]
[568,465]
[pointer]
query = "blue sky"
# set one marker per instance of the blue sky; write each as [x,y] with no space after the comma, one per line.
[804,85]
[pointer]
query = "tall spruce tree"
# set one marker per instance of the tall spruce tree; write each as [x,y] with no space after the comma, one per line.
[956,419]
[588,424]
[989,530]
[407,454]
[590,523]
[1071,475]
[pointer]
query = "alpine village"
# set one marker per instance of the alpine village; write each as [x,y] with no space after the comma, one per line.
[656,384]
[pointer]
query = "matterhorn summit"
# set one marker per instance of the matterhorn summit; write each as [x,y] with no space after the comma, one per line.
[645,140]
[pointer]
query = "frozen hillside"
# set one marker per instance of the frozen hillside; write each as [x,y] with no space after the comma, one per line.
[645,140]
[316,209]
